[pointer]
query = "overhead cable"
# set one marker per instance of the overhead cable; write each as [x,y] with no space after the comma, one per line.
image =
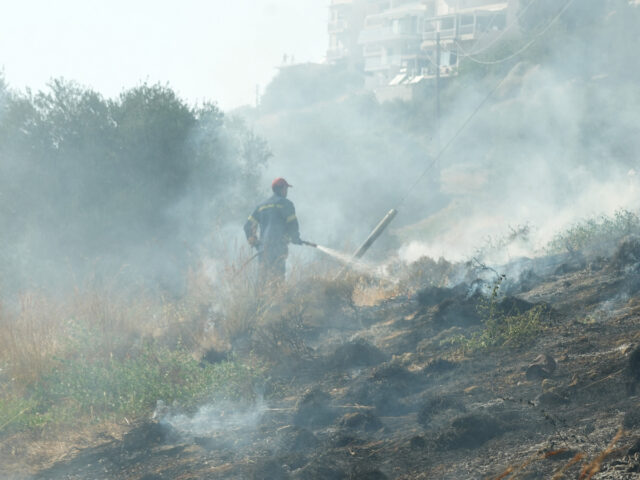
[478,108]
[499,36]
[451,140]
[528,44]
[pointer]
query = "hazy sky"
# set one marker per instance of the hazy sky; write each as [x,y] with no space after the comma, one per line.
[214,50]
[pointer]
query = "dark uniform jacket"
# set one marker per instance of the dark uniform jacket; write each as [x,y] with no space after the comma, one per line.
[276,218]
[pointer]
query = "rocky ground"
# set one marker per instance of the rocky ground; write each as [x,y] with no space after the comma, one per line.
[380,392]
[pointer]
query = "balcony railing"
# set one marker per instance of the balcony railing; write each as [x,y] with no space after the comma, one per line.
[450,33]
[469,29]
[372,64]
[372,50]
[384,34]
[453,28]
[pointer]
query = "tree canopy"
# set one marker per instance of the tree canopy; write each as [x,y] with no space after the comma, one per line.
[92,183]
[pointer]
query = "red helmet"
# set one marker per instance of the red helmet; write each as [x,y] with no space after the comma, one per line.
[279,183]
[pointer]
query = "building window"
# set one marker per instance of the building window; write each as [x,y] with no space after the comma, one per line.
[497,21]
[446,23]
[466,20]
[429,26]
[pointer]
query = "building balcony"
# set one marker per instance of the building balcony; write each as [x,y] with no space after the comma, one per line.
[384,34]
[372,50]
[374,64]
[462,27]
[386,62]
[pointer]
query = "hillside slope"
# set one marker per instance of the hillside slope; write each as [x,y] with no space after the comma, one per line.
[393,391]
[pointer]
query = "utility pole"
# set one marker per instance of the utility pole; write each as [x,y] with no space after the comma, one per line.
[438,79]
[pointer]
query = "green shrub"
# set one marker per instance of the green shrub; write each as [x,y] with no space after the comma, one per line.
[15,412]
[596,232]
[81,388]
[501,330]
[507,331]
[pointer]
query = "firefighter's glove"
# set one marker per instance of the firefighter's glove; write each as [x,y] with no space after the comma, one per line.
[296,241]
[253,241]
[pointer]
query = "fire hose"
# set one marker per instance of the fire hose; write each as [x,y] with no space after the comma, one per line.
[255,255]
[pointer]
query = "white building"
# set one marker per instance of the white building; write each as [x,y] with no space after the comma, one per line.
[346,18]
[399,39]
[391,40]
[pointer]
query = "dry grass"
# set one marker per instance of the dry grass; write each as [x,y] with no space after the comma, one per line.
[515,470]
[29,337]
[42,328]
[39,327]
[243,302]
[593,467]
[370,294]
[588,470]
[44,339]
[30,452]
[575,459]
[268,321]
[272,322]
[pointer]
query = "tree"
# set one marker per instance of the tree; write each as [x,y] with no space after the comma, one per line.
[90,183]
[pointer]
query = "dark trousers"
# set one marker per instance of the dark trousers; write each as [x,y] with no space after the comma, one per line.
[271,267]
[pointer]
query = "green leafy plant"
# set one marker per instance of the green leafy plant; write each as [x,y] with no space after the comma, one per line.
[15,412]
[500,329]
[595,232]
[97,389]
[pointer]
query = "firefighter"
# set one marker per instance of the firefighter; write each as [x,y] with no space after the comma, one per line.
[278,225]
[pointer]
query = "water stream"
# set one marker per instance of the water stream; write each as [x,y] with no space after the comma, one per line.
[359,265]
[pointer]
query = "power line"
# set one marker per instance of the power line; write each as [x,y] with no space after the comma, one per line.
[451,140]
[528,44]
[493,42]
[499,36]
[480,105]
[466,54]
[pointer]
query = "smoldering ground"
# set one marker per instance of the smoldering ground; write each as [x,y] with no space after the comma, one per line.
[224,422]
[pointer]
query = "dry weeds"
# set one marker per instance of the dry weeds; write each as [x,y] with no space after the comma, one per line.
[43,329]
[371,294]
[590,469]
[29,337]
[30,452]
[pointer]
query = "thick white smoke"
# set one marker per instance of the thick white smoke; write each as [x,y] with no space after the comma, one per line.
[214,419]
[525,162]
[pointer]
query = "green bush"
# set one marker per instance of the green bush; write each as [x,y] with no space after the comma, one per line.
[596,232]
[81,388]
[15,412]
[500,329]
[508,330]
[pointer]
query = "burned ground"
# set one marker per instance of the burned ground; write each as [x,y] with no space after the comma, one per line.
[384,392]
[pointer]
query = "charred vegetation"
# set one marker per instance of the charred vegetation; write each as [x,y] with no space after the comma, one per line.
[402,396]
